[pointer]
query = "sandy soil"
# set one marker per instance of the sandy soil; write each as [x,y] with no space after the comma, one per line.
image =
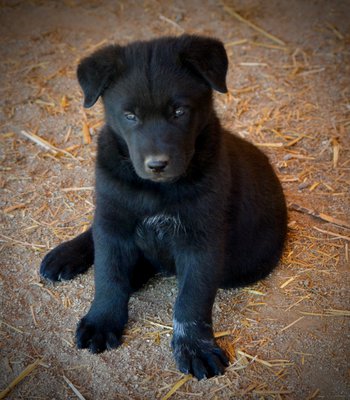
[288,337]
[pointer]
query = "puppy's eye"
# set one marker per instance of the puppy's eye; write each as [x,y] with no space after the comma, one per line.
[130,116]
[179,112]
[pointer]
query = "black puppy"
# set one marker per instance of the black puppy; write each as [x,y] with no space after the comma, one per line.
[175,193]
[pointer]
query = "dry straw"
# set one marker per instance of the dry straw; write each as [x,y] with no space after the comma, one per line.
[235,14]
[27,371]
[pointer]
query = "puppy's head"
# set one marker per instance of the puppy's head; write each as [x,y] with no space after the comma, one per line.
[157,97]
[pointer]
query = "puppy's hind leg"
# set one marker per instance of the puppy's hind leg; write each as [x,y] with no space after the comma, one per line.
[69,258]
[144,271]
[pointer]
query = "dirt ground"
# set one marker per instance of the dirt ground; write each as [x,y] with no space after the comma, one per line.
[287,337]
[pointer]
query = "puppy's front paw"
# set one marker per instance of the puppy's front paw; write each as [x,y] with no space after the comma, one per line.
[200,357]
[98,334]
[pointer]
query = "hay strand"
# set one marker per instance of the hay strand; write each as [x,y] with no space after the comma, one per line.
[75,390]
[86,133]
[171,22]
[255,292]
[278,144]
[159,325]
[236,43]
[15,241]
[8,210]
[177,386]
[223,333]
[269,46]
[169,328]
[316,214]
[77,189]
[271,392]
[40,141]
[328,313]
[293,323]
[338,34]
[235,14]
[45,144]
[28,370]
[287,282]
[336,151]
[11,327]
[313,395]
[269,364]
[336,235]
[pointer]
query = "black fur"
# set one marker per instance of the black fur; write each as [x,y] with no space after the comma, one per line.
[175,193]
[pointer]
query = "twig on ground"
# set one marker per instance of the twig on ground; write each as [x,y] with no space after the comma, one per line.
[316,214]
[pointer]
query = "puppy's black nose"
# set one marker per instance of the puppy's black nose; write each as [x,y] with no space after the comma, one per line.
[157,165]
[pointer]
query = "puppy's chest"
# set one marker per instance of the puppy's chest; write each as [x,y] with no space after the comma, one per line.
[156,237]
[160,227]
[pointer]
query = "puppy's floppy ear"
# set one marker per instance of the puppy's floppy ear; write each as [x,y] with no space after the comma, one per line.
[208,58]
[96,72]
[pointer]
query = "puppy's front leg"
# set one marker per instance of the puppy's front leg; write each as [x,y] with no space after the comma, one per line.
[102,327]
[194,346]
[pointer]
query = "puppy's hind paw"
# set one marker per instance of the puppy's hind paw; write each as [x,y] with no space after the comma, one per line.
[65,262]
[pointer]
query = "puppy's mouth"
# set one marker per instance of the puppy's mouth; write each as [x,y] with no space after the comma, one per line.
[159,177]
[162,178]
